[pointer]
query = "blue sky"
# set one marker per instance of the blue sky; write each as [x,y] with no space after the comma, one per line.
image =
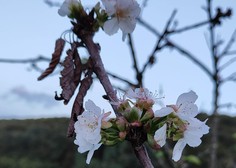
[29,29]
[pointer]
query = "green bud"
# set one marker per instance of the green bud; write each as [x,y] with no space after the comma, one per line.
[106,124]
[149,114]
[110,142]
[77,11]
[124,106]
[121,123]
[133,114]
[122,135]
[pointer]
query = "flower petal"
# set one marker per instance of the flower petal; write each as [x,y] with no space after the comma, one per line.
[91,152]
[187,110]
[91,107]
[192,139]
[195,130]
[163,112]
[111,26]
[110,6]
[178,149]
[127,25]
[189,97]
[160,135]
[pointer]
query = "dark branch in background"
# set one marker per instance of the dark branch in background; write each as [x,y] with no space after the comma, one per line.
[158,47]
[216,85]
[227,64]
[139,76]
[214,76]
[229,45]
[231,77]
[121,79]
[25,61]
[177,47]
[52,4]
[190,56]
[32,61]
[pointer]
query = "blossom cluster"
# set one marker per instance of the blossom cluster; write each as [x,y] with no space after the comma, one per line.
[114,15]
[174,122]
[138,121]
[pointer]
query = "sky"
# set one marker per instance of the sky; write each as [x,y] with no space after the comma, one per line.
[29,29]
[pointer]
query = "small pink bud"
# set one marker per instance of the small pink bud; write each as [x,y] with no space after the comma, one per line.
[122,135]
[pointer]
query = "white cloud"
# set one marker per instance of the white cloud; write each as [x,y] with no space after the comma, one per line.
[38,98]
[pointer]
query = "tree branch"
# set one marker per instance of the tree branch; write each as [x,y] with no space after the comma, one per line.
[151,59]
[122,79]
[229,45]
[99,69]
[177,47]
[139,76]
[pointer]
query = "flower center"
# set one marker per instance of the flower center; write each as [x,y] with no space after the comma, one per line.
[121,13]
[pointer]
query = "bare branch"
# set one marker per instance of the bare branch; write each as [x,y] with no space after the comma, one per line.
[229,45]
[151,59]
[177,47]
[227,105]
[122,79]
[191,57]
[231,77]
[230,53]
[190,27]
[139,76]
[25,61]
[227,64]
[51,3]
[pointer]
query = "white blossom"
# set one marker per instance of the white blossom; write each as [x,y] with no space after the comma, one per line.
[88,128]
[123,15]
[65,9]
[184,108]
[160,135]
[141,94]
[195,129]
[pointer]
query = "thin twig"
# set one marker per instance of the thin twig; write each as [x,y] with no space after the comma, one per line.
[25,61]
[227,64]
[177,47]
[229,45]
[122,79]
[139,76]
[190,27]
[192,58]
[158,46]
[231,77]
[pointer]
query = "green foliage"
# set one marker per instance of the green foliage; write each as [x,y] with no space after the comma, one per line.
[193,159]
[43,144]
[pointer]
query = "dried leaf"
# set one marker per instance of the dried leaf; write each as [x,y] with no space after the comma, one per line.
[78,68]
[71,73]
[78,103]
[60,43]
[67,80]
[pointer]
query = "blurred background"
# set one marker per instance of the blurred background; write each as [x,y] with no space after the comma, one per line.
[34,125]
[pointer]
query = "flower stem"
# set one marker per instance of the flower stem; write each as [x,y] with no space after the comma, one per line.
[102,75]
[142,155]
[100,71]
